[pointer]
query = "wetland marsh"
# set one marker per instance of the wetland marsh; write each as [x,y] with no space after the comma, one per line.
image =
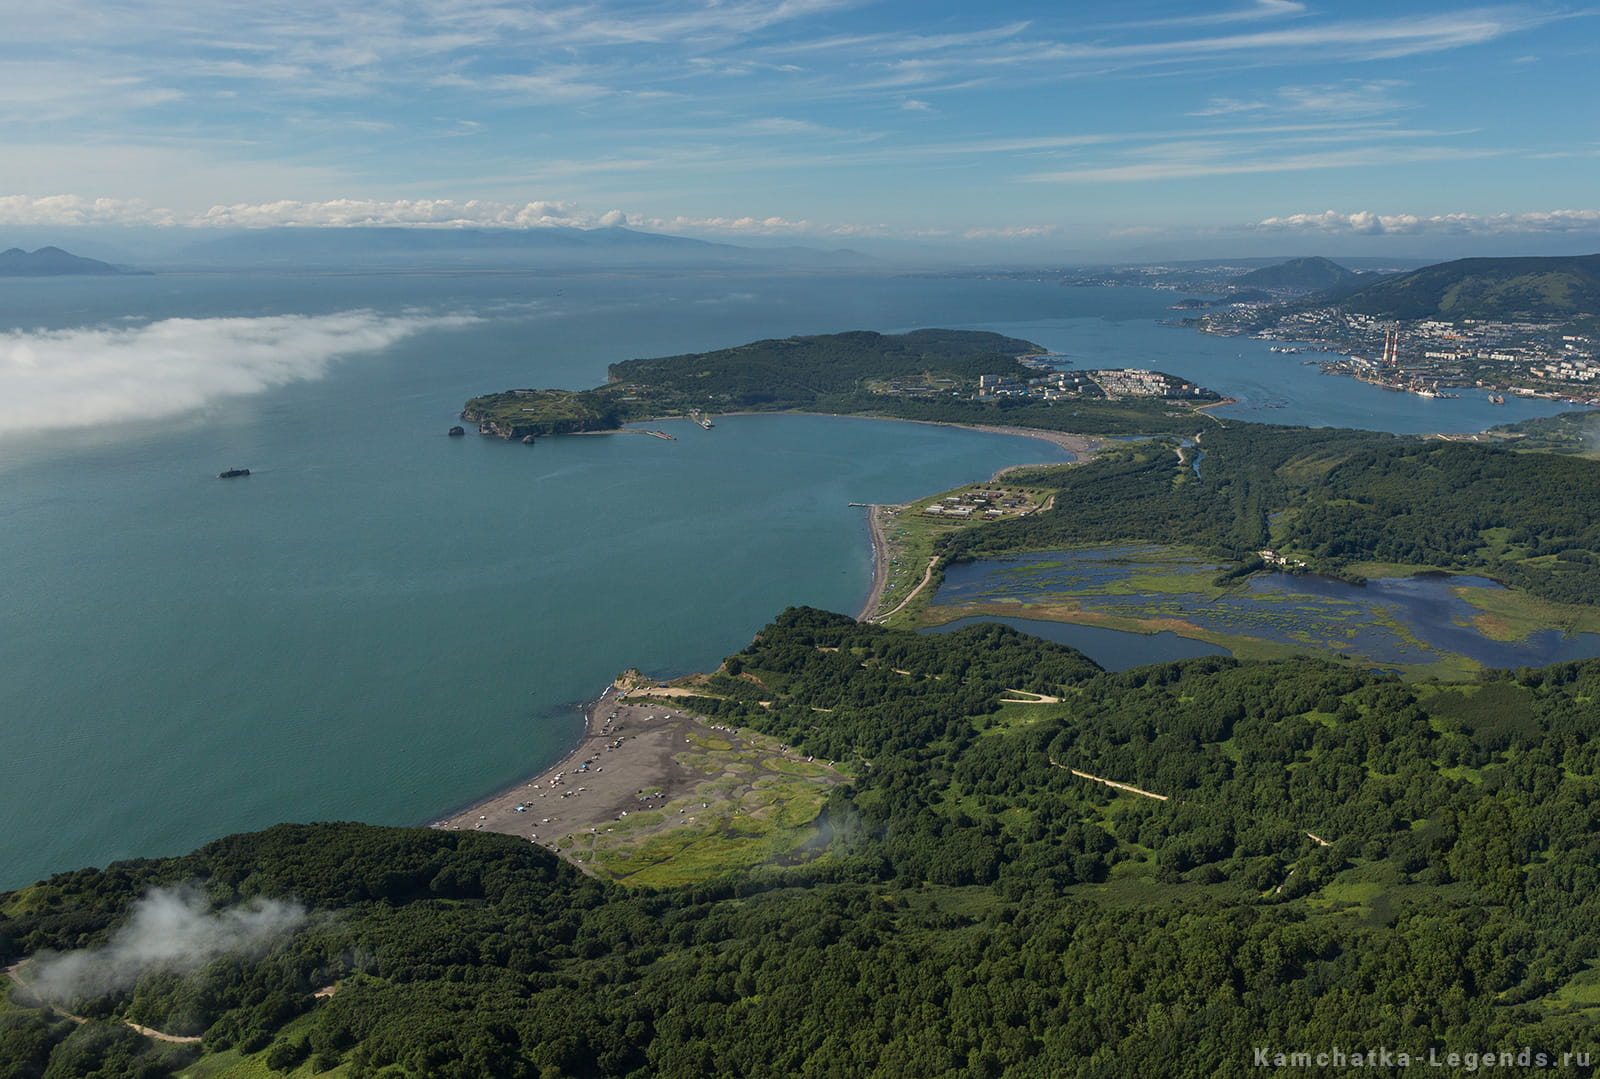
[1424,624]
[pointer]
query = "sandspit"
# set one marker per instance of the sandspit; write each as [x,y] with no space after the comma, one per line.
[1082,447]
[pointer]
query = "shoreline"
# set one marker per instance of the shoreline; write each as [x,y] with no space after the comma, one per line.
[1079,446]
[506,794]
[644,770]
[442,820]
[1082,447]
[500,812]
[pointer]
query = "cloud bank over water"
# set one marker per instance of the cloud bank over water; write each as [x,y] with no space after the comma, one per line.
[52,379]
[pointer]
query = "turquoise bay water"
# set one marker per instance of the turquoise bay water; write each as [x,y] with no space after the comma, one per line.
[382,623]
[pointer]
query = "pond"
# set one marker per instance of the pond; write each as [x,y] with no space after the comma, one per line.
[1113,649]
[1408,620]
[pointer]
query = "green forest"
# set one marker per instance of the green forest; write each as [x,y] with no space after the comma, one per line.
[1332,497]
[822,373]
[1145,873]
[1340,859]
[1559,287]
[793,372]
[521,413]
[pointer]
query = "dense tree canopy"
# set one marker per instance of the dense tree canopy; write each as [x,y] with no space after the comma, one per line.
[1340,859]
[1333,498]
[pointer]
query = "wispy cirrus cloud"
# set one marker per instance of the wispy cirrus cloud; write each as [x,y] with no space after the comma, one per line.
[1370,39]
[1188,161]
[1260,9]
[1353,97]
[806,108]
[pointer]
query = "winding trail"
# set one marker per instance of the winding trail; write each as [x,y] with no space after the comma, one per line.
[1149,794]
[15,974]
[927,575]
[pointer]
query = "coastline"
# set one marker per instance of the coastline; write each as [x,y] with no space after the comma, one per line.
[646,771]
[628,745]
[880,561]
[1082,448]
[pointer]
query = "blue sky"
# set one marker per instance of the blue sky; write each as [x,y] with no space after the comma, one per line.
[1011,127]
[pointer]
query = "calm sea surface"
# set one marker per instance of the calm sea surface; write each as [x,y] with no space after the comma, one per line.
[381,623]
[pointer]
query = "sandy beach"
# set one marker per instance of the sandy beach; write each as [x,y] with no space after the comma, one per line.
[637,757]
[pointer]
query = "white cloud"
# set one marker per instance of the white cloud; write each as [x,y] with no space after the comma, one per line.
[563,84]
[439,213]
[169,929]
[1185,161]
[1353,97]
[1371,39]
[73,211]
[1367,223]
[1012,232]
[1260,9]
[92,376]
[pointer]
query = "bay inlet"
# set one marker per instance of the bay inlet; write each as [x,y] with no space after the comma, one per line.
[380,622]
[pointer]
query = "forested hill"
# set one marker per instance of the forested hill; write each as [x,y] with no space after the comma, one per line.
[1502,289]
[1341,859]
[793,372]
[842,373]
[1333,498]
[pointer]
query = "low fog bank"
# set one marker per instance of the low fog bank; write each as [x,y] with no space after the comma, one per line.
[52,379]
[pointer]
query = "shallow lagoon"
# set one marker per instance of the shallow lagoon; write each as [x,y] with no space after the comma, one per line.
[1113,649]
[1410,620]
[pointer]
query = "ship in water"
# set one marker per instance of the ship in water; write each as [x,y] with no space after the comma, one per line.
[1497,398]
[232,473]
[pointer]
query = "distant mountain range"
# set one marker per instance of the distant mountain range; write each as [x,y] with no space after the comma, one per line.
[553,247]
[1506,289]
[50,262]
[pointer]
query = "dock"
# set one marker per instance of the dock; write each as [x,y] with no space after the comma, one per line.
[662,434]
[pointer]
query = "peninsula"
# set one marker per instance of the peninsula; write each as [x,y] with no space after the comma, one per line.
[955,376]
[1031,865]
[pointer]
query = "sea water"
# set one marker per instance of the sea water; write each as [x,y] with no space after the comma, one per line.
[383,623]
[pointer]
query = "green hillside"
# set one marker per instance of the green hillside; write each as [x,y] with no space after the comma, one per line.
[1334,859]
[794,372]
[1334,498]
[521,413]
[922,375]
[1505,289]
